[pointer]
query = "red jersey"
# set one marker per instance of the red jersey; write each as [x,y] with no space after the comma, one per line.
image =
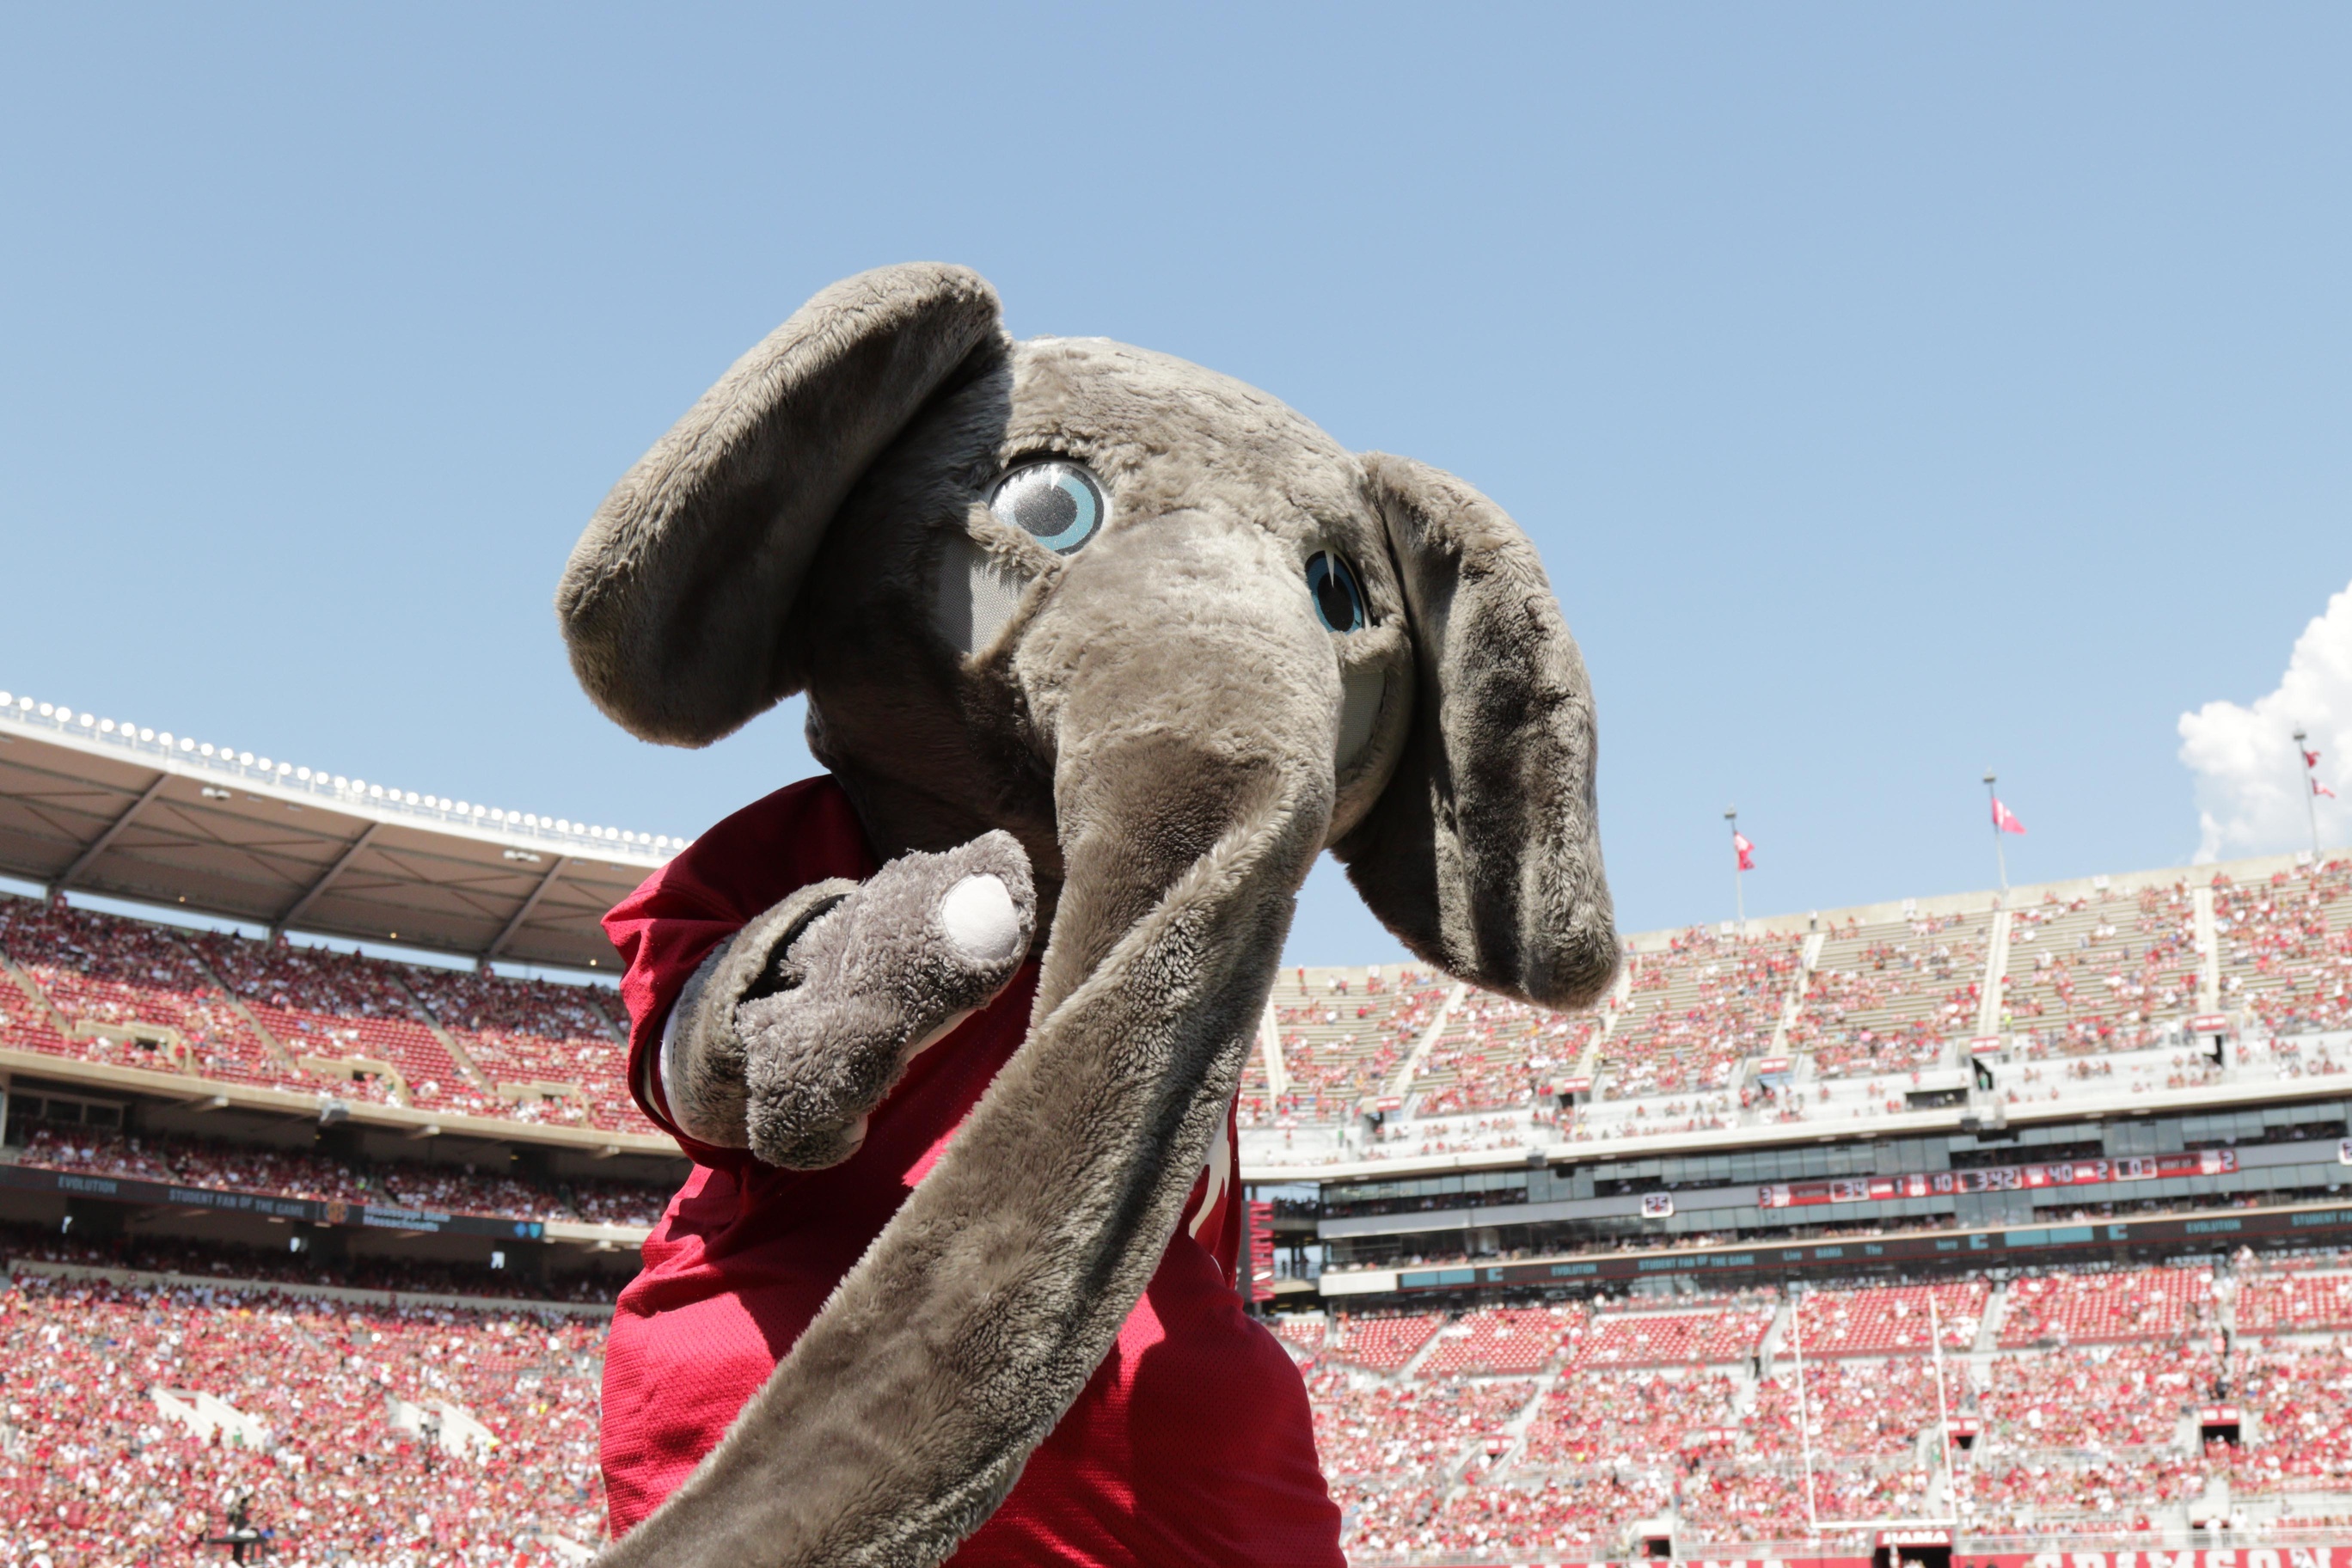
[1190,1445]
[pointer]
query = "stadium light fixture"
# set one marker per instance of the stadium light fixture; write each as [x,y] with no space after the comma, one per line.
[314,778]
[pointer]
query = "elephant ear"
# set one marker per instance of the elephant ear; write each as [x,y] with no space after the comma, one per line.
[678,599]
[1483,852]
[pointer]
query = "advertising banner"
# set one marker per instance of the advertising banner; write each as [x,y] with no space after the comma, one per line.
[312,1210]
[1997,1179]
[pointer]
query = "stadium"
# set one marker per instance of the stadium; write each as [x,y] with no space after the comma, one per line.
[1983,1228]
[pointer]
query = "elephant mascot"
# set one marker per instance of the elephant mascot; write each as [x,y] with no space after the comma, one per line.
[1100,650]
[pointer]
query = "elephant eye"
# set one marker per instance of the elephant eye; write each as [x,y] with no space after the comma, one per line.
[1058,503]
[1338,600]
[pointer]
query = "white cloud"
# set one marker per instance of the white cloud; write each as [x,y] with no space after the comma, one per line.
[2250,788]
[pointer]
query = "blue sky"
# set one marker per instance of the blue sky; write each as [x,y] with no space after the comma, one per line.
[1893,392]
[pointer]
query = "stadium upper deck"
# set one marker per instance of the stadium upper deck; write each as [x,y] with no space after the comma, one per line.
[98,804]
[2119,993]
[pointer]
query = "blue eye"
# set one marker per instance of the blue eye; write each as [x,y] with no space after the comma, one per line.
[1059,503]
[1337,601]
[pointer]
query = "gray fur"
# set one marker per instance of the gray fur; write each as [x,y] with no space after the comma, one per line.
[670,602]
[1484,853]
[879,979]
[704,1066]
[1158,724]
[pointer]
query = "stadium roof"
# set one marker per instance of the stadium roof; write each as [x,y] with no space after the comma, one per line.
[96,805]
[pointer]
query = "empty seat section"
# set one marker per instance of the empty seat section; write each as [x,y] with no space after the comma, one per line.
[2285,947]
[1345,1033]
[1672,1338]
[1496,1053]
[1891,1320]
[2078,1309]
[2294,1303]
[1695,1009]
[2102,973]
[1501,1340]
[1893,996]
[1383,1344]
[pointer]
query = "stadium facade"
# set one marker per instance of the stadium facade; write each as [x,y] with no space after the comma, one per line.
[1966,1228]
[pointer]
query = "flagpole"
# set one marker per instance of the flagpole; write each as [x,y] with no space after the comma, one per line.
[2310,790]
[2000,857]
[1739,886]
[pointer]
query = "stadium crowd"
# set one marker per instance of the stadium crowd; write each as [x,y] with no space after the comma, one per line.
[99,987]
[97,1468]
[249,1168]
[1499,1433]
[2080,1418]
[405,1276]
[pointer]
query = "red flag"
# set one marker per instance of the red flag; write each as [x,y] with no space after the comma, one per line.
[2318,788]
[1744,849]
[2310,759]
[2005,820]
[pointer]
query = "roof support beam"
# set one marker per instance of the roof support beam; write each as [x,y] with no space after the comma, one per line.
[81,862]
[508,932]
[324,879]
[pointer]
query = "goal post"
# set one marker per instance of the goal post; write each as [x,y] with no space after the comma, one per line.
[1949,1521]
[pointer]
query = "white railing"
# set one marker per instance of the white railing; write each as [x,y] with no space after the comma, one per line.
[203,761]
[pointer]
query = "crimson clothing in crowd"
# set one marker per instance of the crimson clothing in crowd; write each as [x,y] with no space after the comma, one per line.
[1191,1444]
